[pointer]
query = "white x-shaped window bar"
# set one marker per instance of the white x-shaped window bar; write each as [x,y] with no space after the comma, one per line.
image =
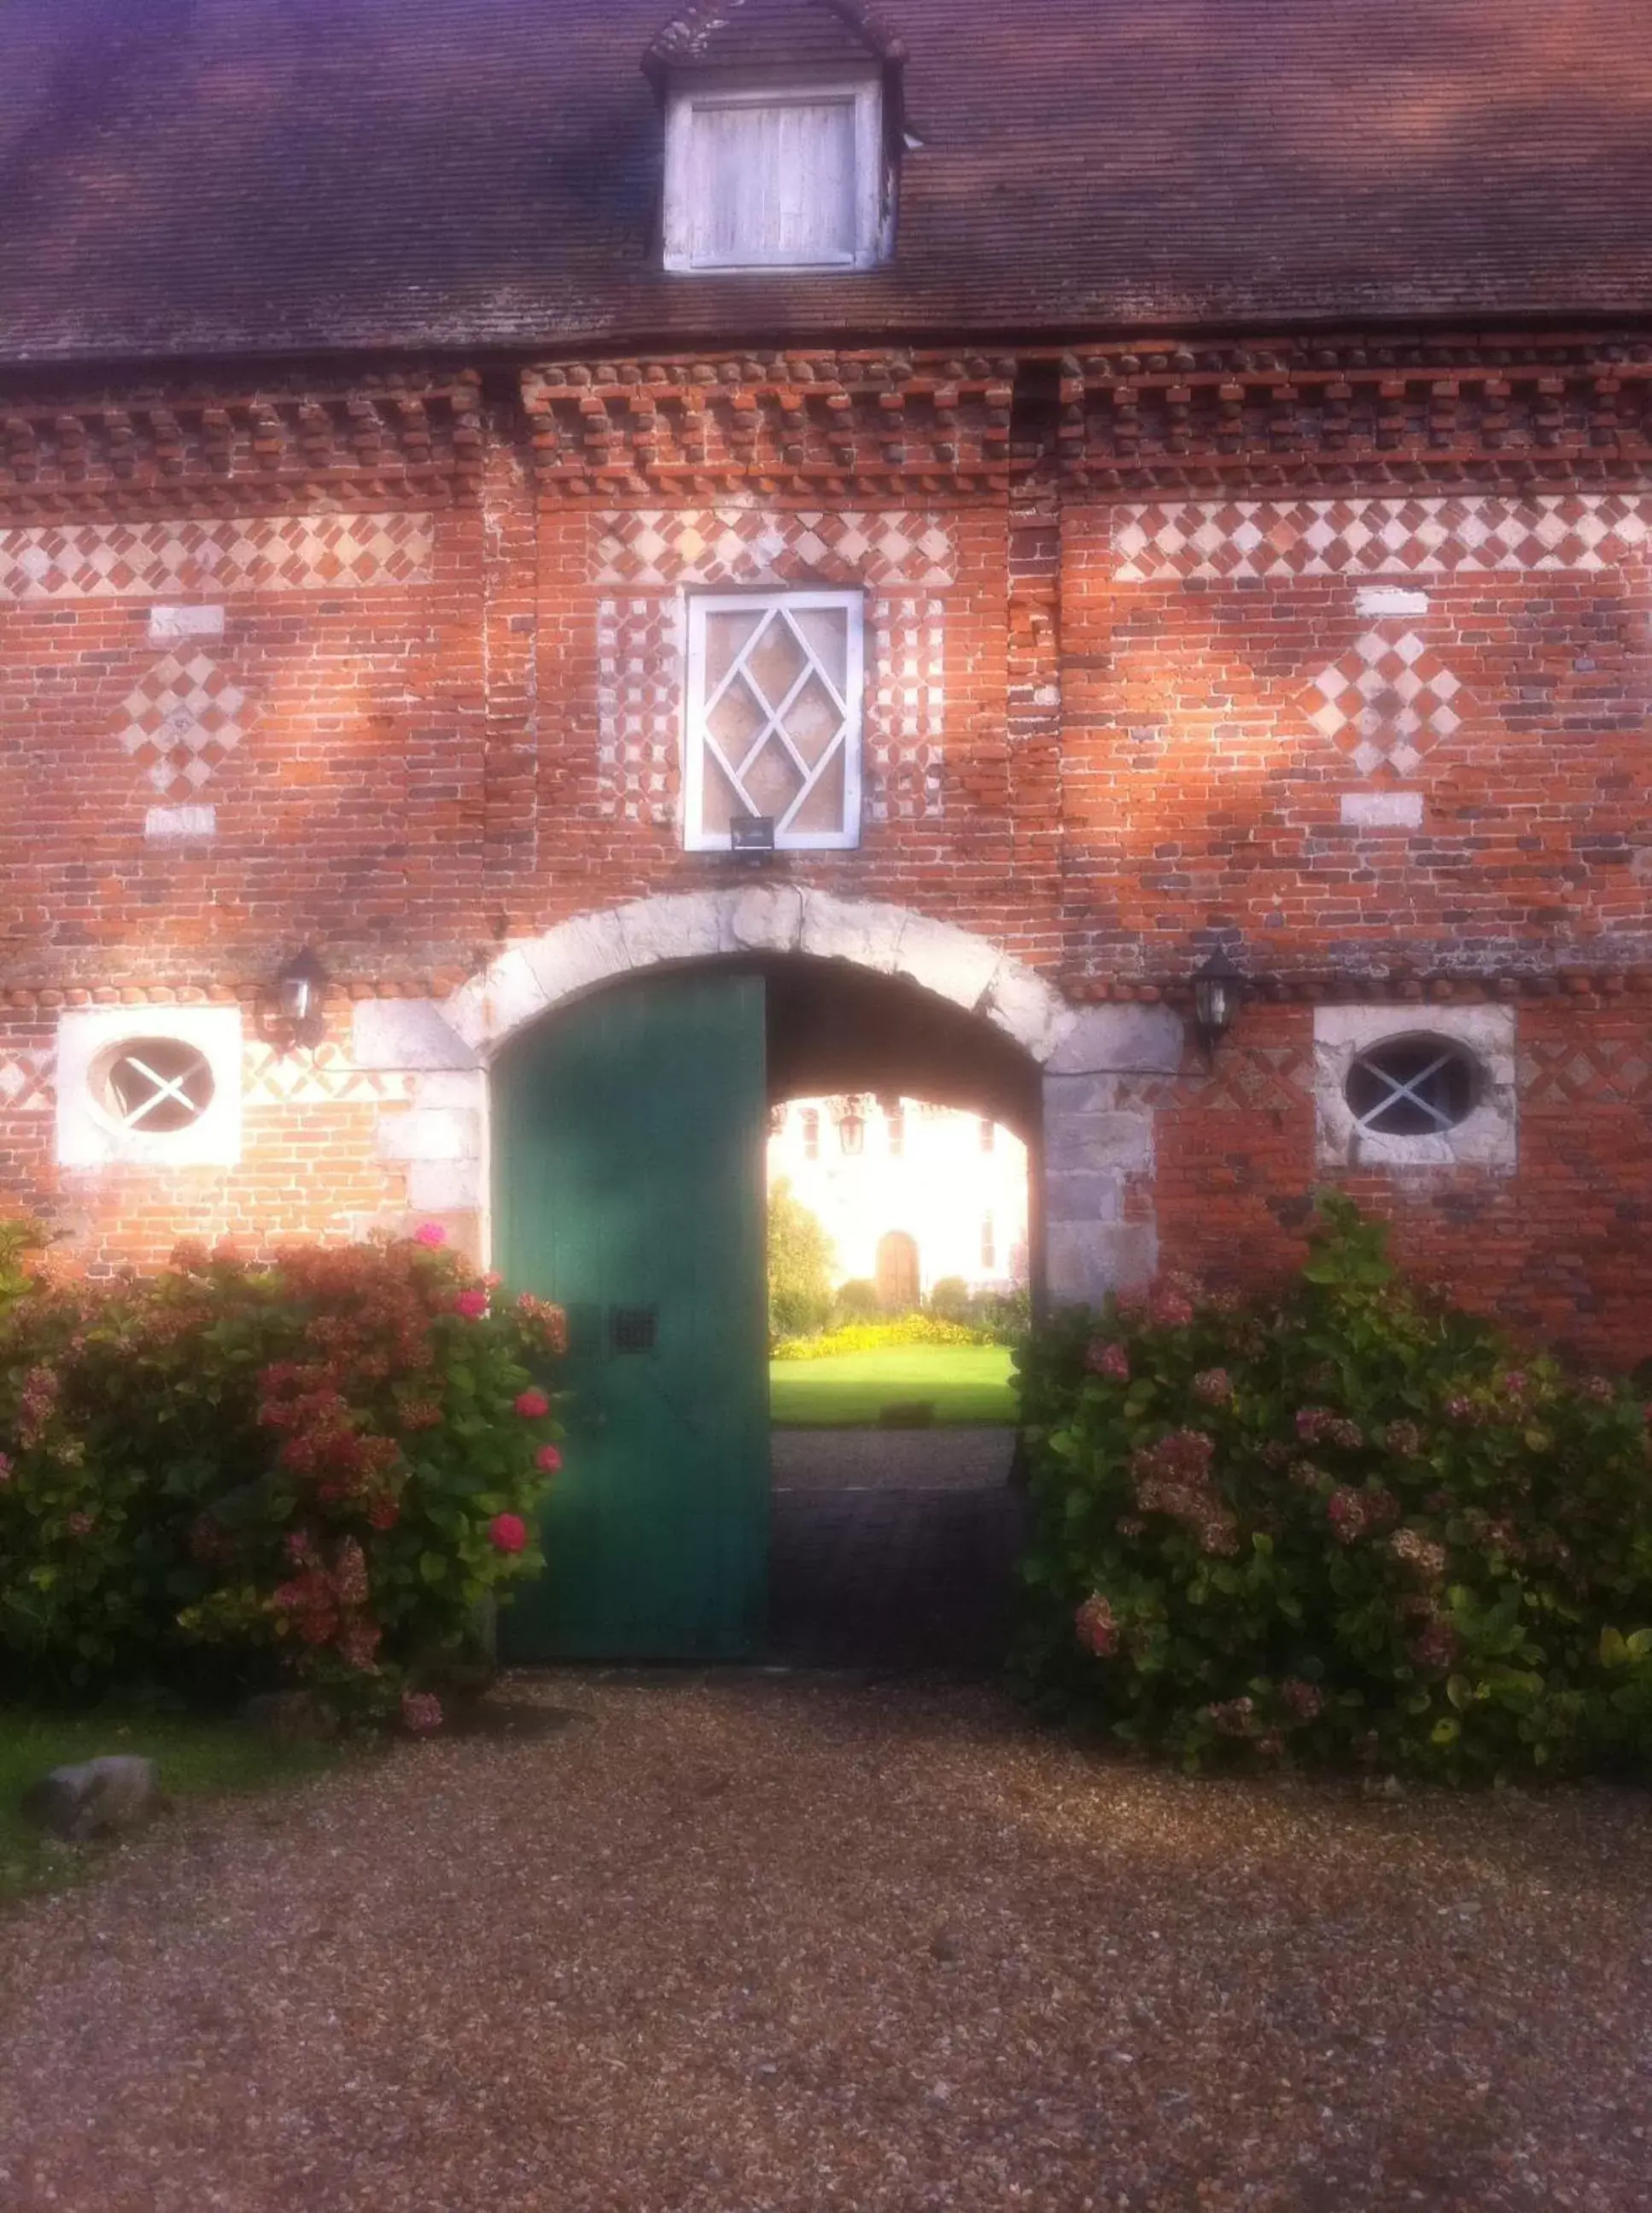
[177,1099]
[1401,1091]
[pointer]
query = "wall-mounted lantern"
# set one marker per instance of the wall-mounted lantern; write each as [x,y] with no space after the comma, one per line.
[298,989]
[1217,988]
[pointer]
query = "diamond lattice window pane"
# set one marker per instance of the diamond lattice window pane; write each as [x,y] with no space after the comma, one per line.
[726,637]
[777,659]
[773,725]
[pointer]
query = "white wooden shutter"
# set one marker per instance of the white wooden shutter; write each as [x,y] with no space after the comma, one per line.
[760,180]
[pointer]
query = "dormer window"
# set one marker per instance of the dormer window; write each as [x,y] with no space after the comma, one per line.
[773,177]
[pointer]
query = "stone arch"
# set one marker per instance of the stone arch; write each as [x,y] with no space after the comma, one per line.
[1097,1156]
[530,978]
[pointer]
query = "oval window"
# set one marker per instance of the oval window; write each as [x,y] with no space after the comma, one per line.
[156,1084]
[1412,1086]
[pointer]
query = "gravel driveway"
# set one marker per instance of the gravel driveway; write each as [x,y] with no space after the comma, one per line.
[717,1945]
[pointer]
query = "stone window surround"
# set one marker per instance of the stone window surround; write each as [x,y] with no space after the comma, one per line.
[88,1135]
[1488,1136]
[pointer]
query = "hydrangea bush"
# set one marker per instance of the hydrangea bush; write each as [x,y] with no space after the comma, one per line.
[1351,1525]
[324,1469]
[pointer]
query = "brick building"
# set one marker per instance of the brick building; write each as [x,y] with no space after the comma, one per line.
[1075,492]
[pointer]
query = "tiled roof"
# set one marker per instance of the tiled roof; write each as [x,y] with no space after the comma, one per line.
[249,176]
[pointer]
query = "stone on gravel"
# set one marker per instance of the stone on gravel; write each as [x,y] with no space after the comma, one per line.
[98,1798]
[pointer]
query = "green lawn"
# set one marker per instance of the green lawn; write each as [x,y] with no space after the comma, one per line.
[194,1758]
[967,1383]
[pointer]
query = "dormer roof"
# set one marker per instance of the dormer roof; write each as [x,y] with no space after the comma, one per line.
[771,34]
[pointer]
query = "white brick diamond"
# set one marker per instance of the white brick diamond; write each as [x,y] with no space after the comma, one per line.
[1378,696]
[182,719]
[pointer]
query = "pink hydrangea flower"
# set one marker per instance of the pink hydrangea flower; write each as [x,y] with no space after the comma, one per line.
[432,1234]
[1305,1700]
[532,1404]
[1170,1309]
[1346,1513]
[1095,1627]
[548,1458]
[420,1712]
[1435,1647]
[472,1304]
[1214,1385]
[508,1532]
[80,1525]
[1109,1360]
[5,1467]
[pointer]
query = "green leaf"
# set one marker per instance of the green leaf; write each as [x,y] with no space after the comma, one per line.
[1614,1648]
[432,1567]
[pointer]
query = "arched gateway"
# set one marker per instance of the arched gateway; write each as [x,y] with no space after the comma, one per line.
[629,1077]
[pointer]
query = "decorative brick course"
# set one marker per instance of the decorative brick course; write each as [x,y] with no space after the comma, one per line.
[26,1080]
[1220,539]
[746,545]
[243,553]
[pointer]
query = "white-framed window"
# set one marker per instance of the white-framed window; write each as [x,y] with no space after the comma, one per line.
[149,1087]
[1400,1089]
[771,718]
[773,177]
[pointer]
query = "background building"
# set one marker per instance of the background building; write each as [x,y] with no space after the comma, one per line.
[910,1193]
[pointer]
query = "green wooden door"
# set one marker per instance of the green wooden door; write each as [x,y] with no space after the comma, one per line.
[628,1139]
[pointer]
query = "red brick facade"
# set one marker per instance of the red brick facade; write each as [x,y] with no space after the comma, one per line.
[416,645]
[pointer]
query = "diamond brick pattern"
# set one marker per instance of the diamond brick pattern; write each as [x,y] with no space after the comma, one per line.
[248,553]
[906,717]
[640,708]
[182,719]
[1173,540]
[26,1081]
[1387,701]
[1586,1069]
[1264,1078]
[326,1078]
[745,545]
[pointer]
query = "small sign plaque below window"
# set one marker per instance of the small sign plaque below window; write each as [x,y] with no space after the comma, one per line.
[751,833]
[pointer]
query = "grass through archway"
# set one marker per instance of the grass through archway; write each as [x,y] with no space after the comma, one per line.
[965,1383]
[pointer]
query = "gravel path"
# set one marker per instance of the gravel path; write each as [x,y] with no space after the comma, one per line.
[720,1945]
